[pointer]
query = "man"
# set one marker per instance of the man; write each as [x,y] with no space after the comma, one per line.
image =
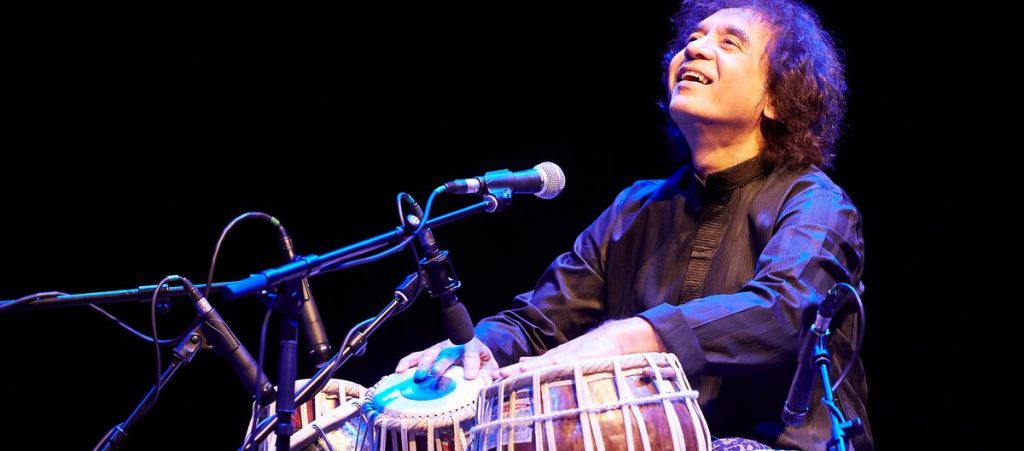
[724,263]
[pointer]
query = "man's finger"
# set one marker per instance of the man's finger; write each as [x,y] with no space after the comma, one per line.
[408,361]
[471,364]
[445,359]
[425,363]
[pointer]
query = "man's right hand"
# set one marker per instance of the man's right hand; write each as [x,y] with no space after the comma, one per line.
[436,359]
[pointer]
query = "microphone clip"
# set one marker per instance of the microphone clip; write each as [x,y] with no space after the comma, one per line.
[439,275]
[498,189]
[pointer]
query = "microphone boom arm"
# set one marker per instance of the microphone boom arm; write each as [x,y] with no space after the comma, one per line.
[313,264]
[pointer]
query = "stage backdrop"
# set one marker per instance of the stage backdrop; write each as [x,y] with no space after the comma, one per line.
[130,138]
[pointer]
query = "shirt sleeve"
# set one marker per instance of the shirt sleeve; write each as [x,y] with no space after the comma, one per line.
[569,298]
[818,242]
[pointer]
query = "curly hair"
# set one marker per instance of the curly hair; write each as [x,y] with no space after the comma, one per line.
[805,78]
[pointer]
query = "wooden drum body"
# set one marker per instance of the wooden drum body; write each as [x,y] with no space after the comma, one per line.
[629,402]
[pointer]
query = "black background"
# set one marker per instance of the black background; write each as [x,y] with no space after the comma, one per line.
[130,138]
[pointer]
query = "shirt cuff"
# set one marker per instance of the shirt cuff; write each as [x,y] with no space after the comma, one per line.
[677,335]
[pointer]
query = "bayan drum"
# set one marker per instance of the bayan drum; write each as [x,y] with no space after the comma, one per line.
[329,421]
[629,402]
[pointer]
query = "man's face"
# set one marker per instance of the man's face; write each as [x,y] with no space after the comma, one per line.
[720,76]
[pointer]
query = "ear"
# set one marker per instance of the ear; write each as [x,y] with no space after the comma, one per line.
[769,110]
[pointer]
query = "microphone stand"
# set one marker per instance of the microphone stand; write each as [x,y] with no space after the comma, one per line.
[183,353]
[287,280]
[404,296]
[208,323]
[289,303]
[139,294]
[312,264]
[842,430]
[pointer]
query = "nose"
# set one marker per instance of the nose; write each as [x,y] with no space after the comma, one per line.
[698,49]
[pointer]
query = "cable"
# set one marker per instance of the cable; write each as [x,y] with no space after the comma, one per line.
[259,368]
[354,330]
[223,234]
[136,333]
[266,319]
[30,298]
[206,290]
[835,410]
[345,265]
[417,212]
[156,340]
[396,248]
[861,328]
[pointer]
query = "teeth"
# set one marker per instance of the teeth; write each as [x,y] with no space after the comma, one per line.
[695,76]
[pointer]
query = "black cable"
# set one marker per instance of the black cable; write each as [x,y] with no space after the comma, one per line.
[266,318]
[835,410]
[106,314]
[354,330]
[345,265]
[206,290]
[430,205]
[349,264]
[136,333]
[370,259]
[30,298]
[398,200]
[156,340]
[348,338]
[259,368]
[396,248]
[417,212]
[263,339]
[223,234]
[861,328]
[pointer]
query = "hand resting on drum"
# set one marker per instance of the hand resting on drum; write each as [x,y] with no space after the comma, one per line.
[436,360]
[613,338]
[617,337]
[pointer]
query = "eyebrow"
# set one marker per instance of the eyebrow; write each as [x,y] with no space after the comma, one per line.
[740,34]
[730,30]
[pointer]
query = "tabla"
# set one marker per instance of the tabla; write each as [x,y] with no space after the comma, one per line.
[329,421]
[635,401]
[433,415]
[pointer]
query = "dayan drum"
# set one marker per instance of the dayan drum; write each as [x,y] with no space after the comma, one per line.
[432,415]
[329,421]
[629,402]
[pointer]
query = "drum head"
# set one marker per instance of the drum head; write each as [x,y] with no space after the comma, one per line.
[398,396]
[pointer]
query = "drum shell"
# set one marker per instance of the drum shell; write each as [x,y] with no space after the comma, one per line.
[608,390]
[340,399]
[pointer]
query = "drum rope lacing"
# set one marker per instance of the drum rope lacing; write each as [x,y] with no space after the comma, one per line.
[690,394]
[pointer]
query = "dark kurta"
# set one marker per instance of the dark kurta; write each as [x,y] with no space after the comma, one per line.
[728,272]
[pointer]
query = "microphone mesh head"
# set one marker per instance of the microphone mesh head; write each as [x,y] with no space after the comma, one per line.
[553,178]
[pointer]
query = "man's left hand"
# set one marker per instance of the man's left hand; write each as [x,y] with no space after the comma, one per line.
[612,338]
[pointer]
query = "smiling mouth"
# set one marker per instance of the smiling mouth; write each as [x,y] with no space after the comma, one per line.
[694,76]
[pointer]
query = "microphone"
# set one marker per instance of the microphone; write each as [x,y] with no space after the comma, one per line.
[441,283]
[312,325]
[226,344]
[545,180]
[798,402]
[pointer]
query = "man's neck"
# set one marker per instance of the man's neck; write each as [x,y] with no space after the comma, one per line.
[713,155]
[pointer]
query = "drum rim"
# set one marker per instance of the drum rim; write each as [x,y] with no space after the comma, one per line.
[442,418]
[663,360]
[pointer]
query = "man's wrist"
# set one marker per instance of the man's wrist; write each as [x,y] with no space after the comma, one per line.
[636,335]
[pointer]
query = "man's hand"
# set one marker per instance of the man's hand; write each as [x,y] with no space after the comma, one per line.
[612,338]
[435,360]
